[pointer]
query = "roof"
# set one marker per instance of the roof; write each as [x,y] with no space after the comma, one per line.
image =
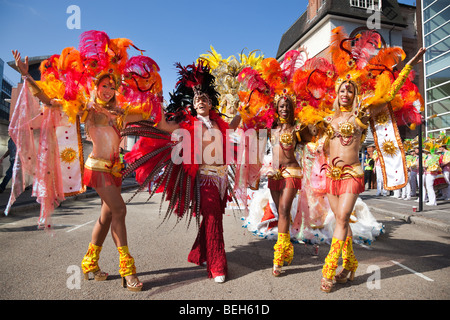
[31,61]
[390,14]
[33,66]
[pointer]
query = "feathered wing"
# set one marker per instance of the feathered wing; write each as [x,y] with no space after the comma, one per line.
[151,158]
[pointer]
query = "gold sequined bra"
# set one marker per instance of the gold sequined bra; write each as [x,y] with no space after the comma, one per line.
[287,140]
[346,132]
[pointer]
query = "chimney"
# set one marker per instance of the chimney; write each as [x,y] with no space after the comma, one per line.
[313,6]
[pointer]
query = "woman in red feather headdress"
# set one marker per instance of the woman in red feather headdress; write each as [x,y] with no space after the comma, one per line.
[99,83]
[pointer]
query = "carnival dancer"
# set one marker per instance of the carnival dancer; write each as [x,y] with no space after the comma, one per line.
[285,182]
[444,161]
[269,101]
[345,177]
[200,182]
[90,79]
[407,190]
[432,169]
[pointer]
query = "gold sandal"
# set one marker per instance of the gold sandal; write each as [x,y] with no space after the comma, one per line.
[132,285]
[345,275]
[276,271]
[98,275]
[326,285]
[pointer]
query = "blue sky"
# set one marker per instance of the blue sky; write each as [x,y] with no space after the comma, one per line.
[170,31]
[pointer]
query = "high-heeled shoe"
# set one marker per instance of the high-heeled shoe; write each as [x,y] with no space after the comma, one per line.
[98,275]
[277,271]
[326,285]
[132,285]
[345,275]
[127,268]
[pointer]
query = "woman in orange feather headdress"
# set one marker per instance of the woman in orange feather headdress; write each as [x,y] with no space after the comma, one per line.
[99,83]
[363,87]
[271,96]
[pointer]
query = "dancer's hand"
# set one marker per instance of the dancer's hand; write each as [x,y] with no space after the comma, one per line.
[22,66]
[418,57]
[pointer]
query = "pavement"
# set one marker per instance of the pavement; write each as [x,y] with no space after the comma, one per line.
[437,217]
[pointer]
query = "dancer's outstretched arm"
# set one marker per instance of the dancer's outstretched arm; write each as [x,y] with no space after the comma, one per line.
[22,66]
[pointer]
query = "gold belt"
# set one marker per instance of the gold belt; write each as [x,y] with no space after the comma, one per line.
[219,171]
[336,172]
[287,172]
[103,165]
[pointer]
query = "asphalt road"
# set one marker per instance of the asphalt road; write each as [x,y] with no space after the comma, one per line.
[407,262]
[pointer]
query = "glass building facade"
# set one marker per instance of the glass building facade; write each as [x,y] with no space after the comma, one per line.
[436,38]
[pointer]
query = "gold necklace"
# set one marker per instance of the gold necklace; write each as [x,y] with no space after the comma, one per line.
[101,102]
[345,108]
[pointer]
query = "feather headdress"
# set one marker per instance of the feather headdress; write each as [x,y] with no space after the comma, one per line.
[226,72]
[76,72]
[313,85]
[193,79]
[362,61]
[350,56]
[264,87]
[141,87]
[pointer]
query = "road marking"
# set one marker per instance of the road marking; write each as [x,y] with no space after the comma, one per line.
[412,271]
[79,226]
[7,223]
[365,246]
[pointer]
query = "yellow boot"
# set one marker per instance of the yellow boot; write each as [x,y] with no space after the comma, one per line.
[127,268]
[90,263]
[331,264]
[350,264]
[283,252]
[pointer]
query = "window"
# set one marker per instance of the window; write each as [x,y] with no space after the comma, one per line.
[366,4]
[436,35]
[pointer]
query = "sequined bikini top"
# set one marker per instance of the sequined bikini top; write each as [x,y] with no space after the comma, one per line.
[287,140]
[346,131]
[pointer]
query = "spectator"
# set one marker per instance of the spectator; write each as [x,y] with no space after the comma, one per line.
[11,152]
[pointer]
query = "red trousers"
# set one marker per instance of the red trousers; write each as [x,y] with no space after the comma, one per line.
[209,246]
